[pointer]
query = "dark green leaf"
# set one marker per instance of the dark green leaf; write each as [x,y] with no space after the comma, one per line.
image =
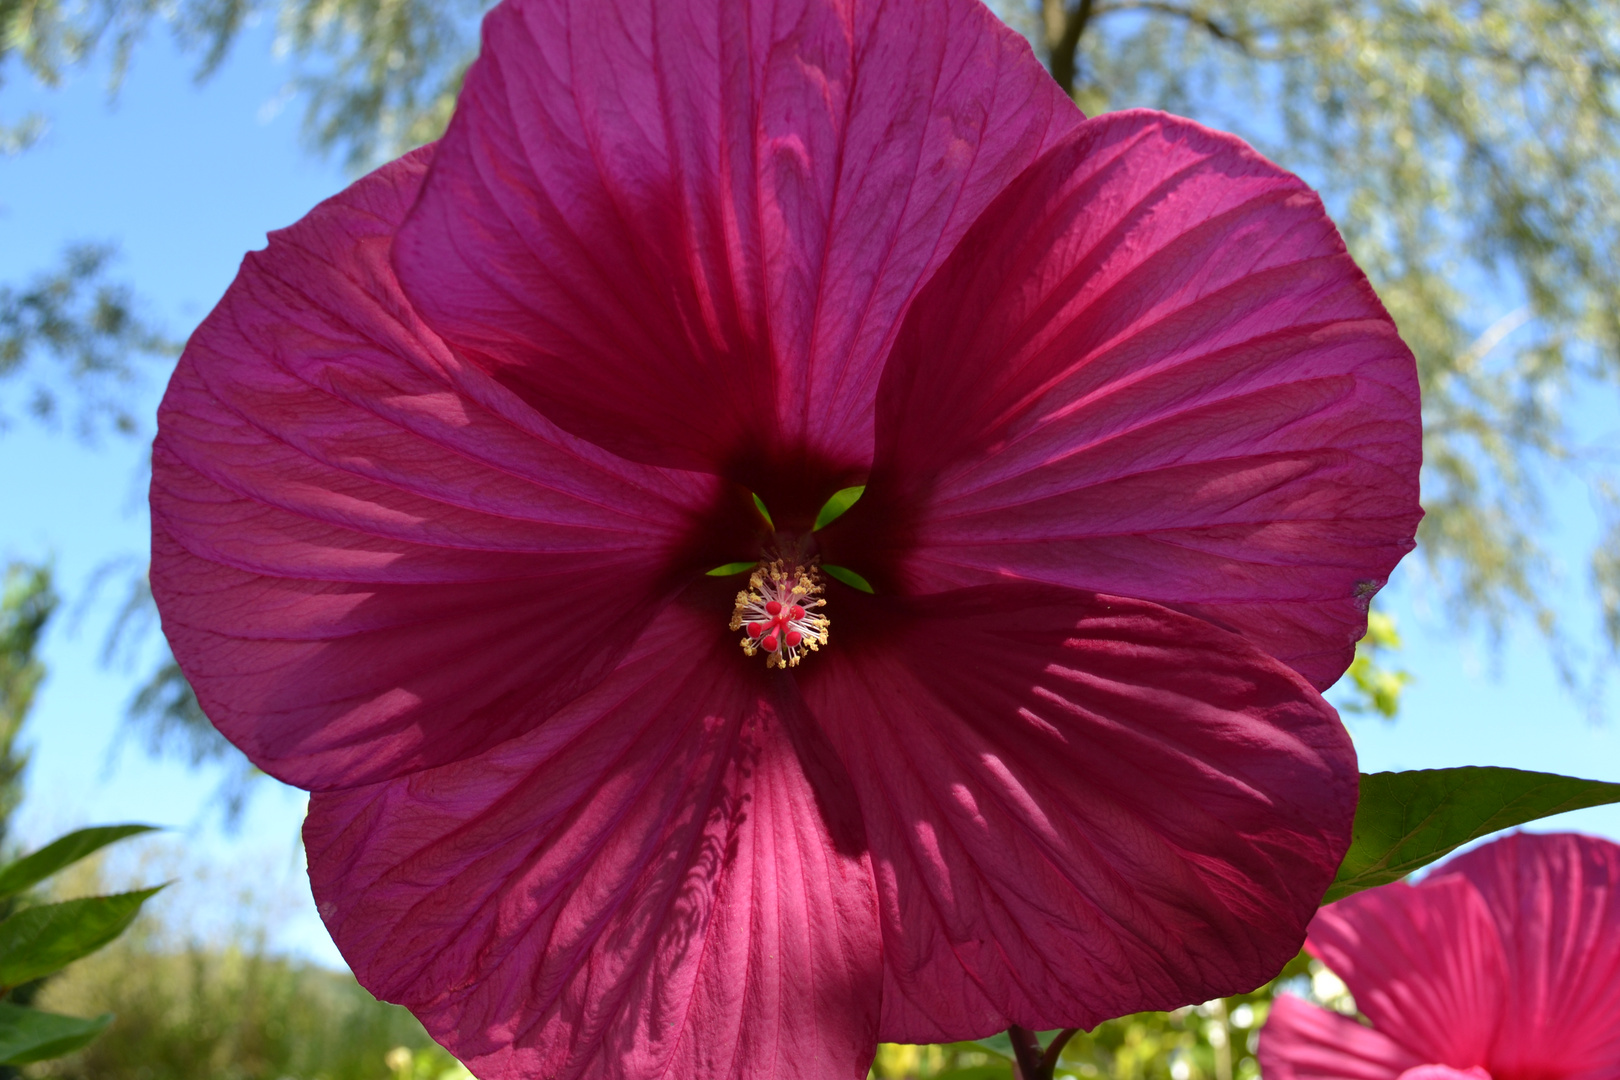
[40,940]
[1406,820]
[731,568]
[759,504]
[841,501]
[30,1035]
[61,853]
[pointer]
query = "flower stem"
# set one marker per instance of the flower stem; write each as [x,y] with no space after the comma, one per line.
[1035,1063]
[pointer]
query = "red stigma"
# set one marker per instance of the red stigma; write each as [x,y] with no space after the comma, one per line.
[779,612]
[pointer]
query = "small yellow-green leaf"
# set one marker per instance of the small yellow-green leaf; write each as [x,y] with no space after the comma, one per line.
[731,568]
[759,504]
[1406,820]
[30,1035]
[834,507]
[848,577]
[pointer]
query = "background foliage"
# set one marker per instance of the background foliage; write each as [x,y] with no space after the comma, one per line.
[1467,151]
[26,603]
[231,1013]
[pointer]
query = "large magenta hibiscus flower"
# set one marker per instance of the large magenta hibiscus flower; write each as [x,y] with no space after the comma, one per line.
[1502,965]
[437,485]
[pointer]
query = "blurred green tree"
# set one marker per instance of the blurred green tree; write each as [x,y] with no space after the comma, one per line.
[232,1012]
[74,330]
[26,603]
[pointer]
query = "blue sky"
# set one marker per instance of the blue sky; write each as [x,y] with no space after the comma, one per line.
[186,178]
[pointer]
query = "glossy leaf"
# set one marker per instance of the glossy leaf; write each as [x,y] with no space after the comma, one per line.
[840,502]
[1406,820]
[62,853]
[30,1035]
[40,940]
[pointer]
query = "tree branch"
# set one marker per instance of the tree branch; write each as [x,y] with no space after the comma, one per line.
[1213,27]
[1064,29]
[1033,1062]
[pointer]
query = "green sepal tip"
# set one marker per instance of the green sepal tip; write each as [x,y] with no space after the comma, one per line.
[848,577]
[759,504]
[835,507]
[731,568]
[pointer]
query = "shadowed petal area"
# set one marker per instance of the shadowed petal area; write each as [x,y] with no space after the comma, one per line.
[666,879]
[1151,369]
[1304,1042]
[1424,964]
[1078,806]
[1556,902]
[370,558]
[687,232]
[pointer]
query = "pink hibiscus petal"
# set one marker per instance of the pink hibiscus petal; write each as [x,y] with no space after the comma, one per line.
[666,879]
[1303,1042]
[1152,370]
[1424,964]
[687,232]
[1444,1072]
[1078,806]
[1556,902]
[369,557]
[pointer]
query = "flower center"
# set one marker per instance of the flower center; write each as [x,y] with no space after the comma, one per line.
[778,610]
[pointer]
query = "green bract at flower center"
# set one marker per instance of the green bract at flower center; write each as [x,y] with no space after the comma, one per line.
[779,612]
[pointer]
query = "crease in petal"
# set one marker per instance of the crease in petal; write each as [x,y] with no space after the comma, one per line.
[1444,1072]
[369,557]
[667,878]
[688,232]
[1078,806]
[1302,1041]
[1425,965]
[1555,899]
[1151,369]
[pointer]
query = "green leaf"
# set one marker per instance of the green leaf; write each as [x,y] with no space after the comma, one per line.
[1406,820]
[35,868]
[848,577]
[759,503]
[39,940]
[30,1035]
[731,568]
[841,501]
